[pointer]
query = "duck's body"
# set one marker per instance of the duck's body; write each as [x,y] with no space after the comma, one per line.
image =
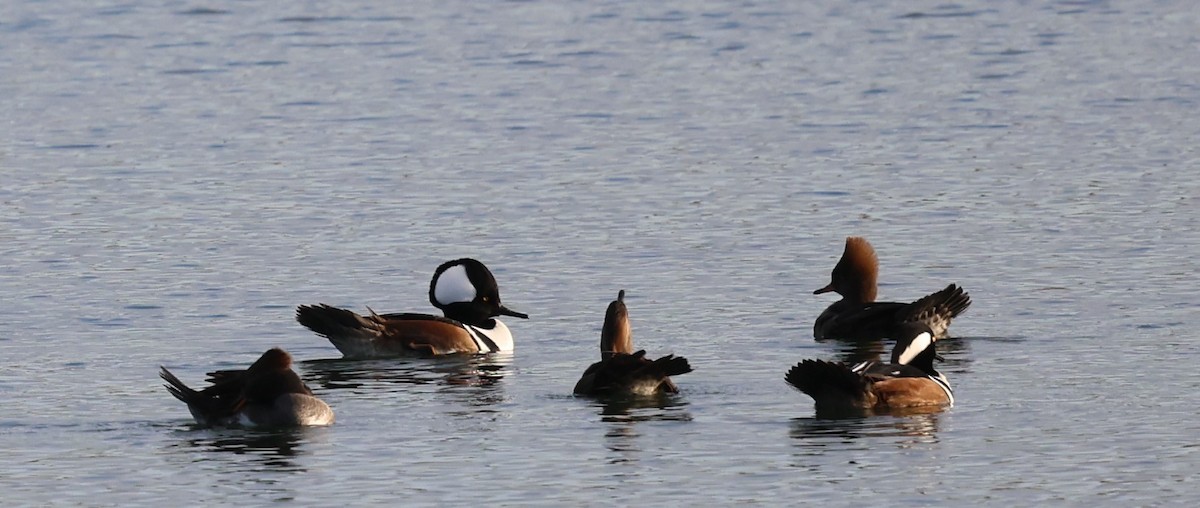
[621,371]
[909,380]
[466,292]
[857,320]
[267,394]
[857,316]
[382,335]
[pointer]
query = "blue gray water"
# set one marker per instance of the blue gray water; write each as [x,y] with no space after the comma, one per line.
[176,177]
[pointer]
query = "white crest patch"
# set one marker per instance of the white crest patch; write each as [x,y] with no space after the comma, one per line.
[918,344]
[453,286]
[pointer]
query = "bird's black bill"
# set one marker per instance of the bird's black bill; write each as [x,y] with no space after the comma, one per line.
[505,311]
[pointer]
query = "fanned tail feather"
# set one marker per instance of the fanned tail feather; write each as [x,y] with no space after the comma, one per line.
[670,365]
[177,388]
[334,323]
[828,382]
[207,406]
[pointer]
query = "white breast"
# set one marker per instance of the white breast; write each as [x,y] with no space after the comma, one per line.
[944,383]
[498,335]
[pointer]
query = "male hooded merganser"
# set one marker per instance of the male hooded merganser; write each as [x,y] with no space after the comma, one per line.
[621,371]
[267,394]
[466,292]
[908,381]
[857,316]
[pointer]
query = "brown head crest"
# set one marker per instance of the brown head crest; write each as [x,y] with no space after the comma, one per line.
[273,359]
[855,274]
[861,267]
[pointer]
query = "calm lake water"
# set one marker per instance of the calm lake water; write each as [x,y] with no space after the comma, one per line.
[176,177]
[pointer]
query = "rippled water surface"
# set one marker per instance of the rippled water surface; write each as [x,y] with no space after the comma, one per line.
[175,178]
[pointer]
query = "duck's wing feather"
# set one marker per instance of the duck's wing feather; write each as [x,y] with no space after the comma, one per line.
[632,373]
[396,333]
[938,309]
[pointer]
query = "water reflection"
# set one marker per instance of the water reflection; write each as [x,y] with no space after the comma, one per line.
[640,409]
[953,350]
[269,449]
[855,351]
[623,414]
[459,370]
[915,426]
[465,385]
[955,353]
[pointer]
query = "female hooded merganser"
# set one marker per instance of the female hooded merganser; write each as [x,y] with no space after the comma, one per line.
[621,371]
[466,292]
[857,316]
[908,381]
[267,394]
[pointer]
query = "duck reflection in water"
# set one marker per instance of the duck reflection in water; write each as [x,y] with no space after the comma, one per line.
[266,449]
[476,379]
[641,409]
[856,351]
[622,414]
[460,370]
[953,352]
[912,426]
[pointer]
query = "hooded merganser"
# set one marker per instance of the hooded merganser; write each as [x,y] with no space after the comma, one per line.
[909,380]
[465,291]
[621,371]
[267,394]
[857,316]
